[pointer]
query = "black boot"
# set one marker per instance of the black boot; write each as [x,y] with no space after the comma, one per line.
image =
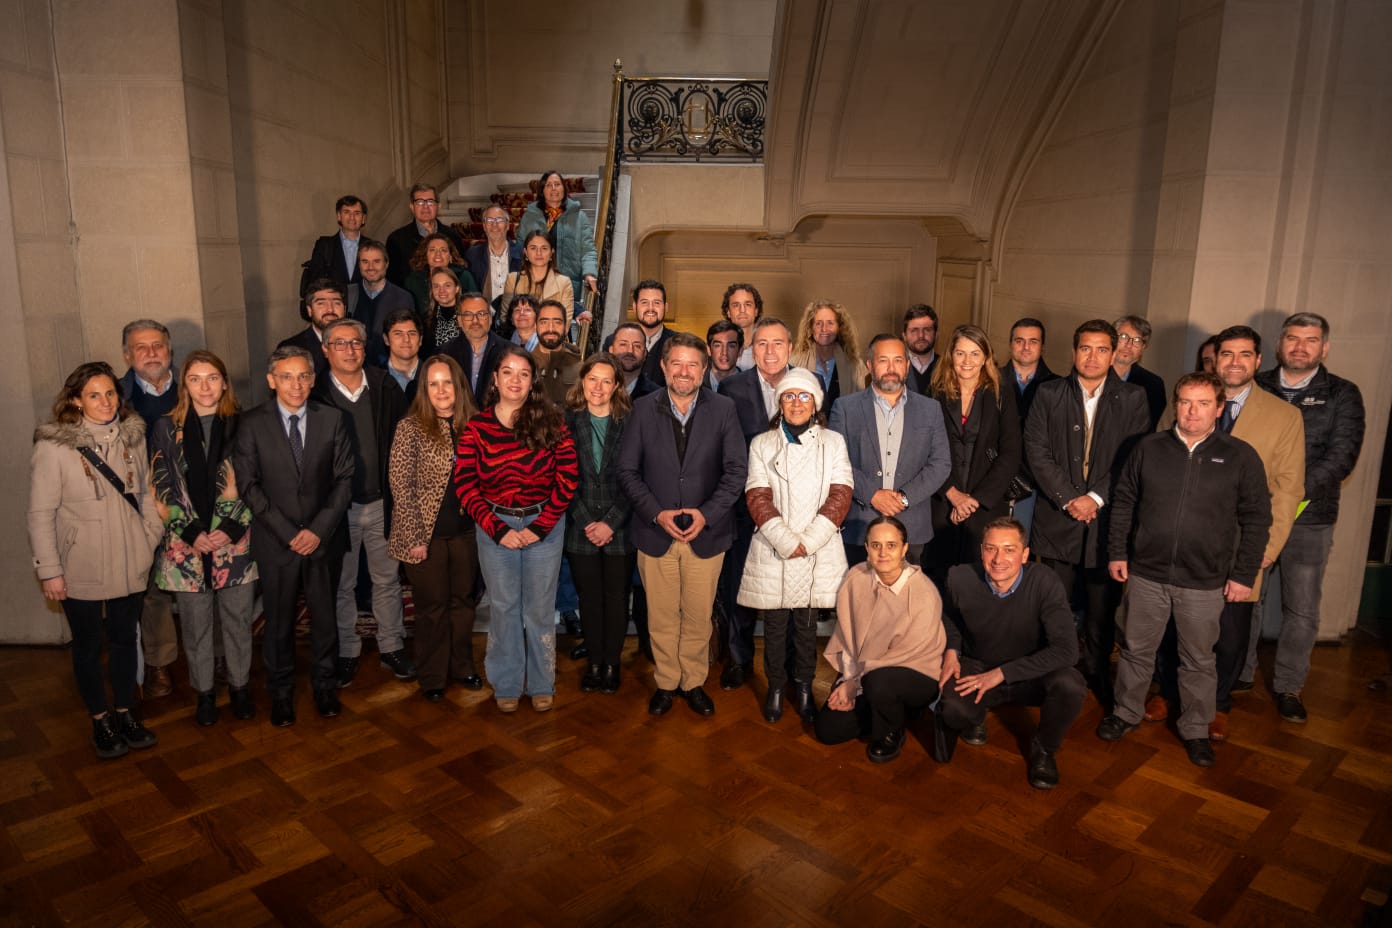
[609,678]
[106,740]
[207,711]
[590,682]
[773,705]
[804,702]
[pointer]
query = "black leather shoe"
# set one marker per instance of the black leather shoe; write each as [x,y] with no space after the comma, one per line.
[976,735]
[732,678]
[590,682]
[1242,686]
[885,749]
[804,703]
[1043,772]
[661,702]
[136,735]
[207,712]
[773,706]
[243,706]
[609,678]
[399,664]
[346,670]
[1200,751]
[326,703]
[433,695]
[1112,728]
[106,741]
[699,702]
[282,711]
[580,652]
[471,682]
[1291,708]
[571,620]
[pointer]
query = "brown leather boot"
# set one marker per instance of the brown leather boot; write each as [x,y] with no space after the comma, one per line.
[157,683]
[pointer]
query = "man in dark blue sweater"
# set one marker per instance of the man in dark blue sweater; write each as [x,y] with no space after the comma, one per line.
[1010,640]
[149,388]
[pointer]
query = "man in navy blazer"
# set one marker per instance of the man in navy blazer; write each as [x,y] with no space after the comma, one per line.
[682,465]
[898,448]
[294,466]
[336,256]
[491,260]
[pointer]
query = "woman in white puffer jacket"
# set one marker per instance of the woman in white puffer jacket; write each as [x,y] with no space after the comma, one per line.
[798,492]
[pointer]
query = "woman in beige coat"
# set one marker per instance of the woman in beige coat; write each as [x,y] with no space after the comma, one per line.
[93,528]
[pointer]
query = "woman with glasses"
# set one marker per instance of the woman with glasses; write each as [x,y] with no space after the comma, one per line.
[435,251]
[205,558]
[798,492]
[539,279]
[93,528]
[430,532]
[522,320]
[983,436]
[515,474]
[568,229]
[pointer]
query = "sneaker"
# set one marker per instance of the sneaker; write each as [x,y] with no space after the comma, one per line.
[107,742]
[1291,708]
[507,703]
[345,672]
[135,734]
[399,664]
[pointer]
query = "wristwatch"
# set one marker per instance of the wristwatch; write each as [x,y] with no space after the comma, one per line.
[904,498]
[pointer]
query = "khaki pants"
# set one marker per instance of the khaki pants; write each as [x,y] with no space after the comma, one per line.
[680,588]
[159,639]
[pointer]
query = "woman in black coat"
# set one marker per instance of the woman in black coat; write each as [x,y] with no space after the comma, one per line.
[983,435]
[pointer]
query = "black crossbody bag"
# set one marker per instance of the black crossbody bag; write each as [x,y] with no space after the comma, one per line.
[105,470]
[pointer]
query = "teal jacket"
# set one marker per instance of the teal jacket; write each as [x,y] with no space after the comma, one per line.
[574,238]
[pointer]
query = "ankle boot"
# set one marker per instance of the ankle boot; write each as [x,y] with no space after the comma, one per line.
[773,705]
[609,678]
[590,682]
[107,742]
[804,702]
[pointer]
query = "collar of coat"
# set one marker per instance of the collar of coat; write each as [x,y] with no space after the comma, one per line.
[75,434]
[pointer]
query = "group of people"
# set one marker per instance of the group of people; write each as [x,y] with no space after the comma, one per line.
[956,513]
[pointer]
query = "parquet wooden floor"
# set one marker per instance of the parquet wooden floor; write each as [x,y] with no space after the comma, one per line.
[406,812]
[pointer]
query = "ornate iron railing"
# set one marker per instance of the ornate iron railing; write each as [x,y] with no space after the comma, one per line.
[672,119]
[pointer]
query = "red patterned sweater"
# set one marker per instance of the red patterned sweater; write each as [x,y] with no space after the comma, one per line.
[492,467]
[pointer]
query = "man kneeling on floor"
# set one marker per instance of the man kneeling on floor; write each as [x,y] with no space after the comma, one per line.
[1010,640]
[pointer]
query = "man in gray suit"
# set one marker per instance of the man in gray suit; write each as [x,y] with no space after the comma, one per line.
[898,447]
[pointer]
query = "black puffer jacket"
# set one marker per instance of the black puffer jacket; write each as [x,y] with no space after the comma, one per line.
[1332,408]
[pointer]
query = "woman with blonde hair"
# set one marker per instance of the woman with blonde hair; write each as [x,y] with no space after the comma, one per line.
[205,558]
[827,346]
[93,529]
[430,532]
[983,436]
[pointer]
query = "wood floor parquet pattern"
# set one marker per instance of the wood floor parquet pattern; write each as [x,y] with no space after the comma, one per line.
[407,812]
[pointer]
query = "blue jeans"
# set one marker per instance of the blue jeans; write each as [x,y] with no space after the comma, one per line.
[1302,561]
[1022,511]
[521,656]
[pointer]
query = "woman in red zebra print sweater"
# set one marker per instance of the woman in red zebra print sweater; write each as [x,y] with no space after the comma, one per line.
[515,473]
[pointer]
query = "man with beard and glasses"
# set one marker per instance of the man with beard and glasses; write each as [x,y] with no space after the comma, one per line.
[898,447]
[920,337]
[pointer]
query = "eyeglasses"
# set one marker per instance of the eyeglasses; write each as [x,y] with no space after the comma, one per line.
[345,344]
[495,221]
[294,378]
[424,202]
[801,397]
[474,317]
[1123,339]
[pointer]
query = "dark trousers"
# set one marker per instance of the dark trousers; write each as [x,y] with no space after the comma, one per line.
[122,617]
[887,697]
[779,625]
[739,634]
[1059,695]
[442,591]
[603,582]
[1099,595]
[280,585]
[1229,655]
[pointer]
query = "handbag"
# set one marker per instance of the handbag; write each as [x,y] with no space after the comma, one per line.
[1019,487]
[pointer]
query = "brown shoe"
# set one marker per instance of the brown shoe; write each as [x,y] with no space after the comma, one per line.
[1218,728]
[157,683]
[1156,709]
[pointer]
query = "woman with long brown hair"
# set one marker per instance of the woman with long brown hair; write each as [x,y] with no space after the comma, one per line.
[205,558]
[515,473]
[430,533]
[567,227]
[441,315]
[539,278]
[93,529]
[435,252]
[983,436]
[602,556]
